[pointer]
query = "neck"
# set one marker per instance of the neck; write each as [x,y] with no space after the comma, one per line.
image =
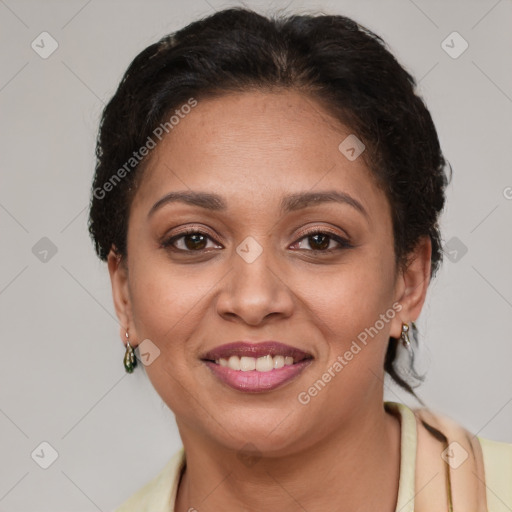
[354,469]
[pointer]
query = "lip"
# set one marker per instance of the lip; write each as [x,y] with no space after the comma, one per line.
[254,381]
[260,349]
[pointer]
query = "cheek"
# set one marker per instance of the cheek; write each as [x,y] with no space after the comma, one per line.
[354,296]
[354,315]
[167,309]
[169,304]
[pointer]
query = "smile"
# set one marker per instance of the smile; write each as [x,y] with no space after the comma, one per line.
[256,367]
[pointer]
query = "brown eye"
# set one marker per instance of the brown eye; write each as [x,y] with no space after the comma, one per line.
[195,241]
[321,241]
[189,241]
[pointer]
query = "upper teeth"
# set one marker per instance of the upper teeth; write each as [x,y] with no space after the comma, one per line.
[260,364]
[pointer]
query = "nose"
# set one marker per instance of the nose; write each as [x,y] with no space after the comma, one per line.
[254,291]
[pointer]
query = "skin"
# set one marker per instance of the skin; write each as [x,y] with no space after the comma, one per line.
[254,148]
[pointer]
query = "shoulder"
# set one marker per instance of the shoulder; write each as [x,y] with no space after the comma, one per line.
[498,473]
[158,495]
[497,451]
[487,463]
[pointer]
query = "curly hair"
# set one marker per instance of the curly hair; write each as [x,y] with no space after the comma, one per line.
[343,66]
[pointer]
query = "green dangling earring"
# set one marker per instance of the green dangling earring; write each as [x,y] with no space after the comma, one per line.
[130,361]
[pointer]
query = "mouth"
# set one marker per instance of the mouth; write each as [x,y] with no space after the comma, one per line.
[256,367]
[262,357]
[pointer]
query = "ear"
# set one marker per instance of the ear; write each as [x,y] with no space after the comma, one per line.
[412,285]
[118,271]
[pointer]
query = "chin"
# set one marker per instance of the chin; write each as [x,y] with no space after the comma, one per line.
[269,435]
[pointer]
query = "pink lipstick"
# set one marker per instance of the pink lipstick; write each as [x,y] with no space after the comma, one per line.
[256,367]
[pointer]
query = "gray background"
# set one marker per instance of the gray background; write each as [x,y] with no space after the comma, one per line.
[62,378]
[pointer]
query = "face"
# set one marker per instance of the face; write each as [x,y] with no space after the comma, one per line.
[264,260]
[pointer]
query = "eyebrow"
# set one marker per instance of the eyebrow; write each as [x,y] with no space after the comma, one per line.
[301,200]
[289,203]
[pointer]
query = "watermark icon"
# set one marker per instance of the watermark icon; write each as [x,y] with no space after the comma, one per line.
[454,45]
[507,192]
[44,45]
[44,455]
[249,249]
[351,147]
[44,250]
[249,455]
[455,249]
[146,352]
[304,397]
[137,156]
[454,455]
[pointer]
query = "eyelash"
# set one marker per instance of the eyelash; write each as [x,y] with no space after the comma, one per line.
[344,244]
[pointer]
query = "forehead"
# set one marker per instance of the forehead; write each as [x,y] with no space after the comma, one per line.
[256,145]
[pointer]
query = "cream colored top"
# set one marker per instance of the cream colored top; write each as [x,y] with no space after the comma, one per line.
[159,495]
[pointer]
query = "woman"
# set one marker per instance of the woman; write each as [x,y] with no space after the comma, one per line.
[267,196]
